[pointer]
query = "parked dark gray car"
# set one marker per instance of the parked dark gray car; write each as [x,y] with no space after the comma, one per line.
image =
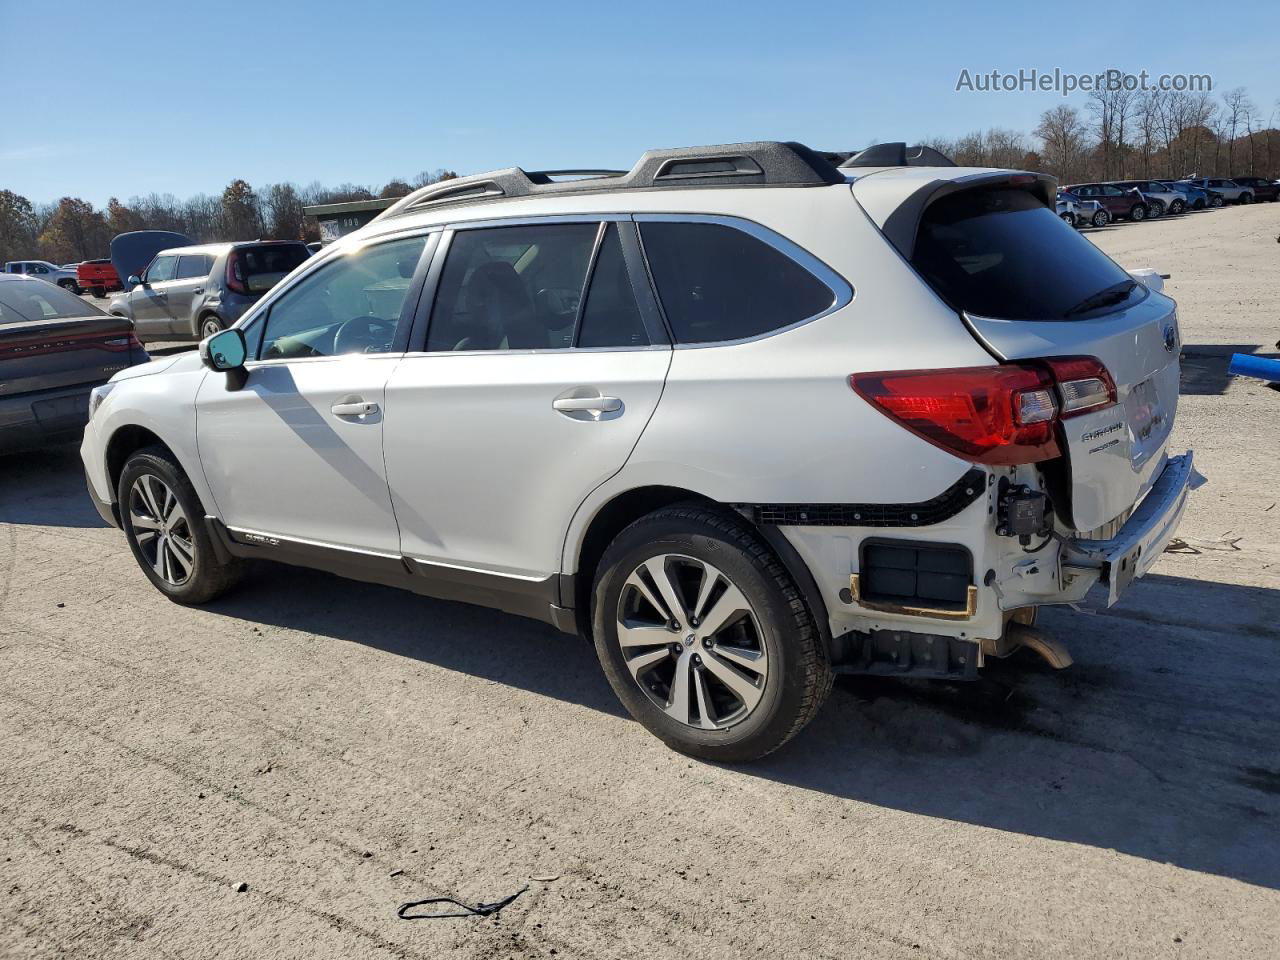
[189,293]
[54,349]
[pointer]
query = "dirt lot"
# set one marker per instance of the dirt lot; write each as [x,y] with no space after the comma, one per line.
[341,748]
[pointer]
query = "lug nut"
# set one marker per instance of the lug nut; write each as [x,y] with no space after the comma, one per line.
[707,643]
[697,660]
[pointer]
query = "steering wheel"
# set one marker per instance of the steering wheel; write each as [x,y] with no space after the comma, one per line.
[360,334]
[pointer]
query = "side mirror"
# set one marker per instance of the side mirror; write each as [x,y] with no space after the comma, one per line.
[134,281]
[224,351]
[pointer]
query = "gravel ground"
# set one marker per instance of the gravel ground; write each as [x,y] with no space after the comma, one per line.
[341,748]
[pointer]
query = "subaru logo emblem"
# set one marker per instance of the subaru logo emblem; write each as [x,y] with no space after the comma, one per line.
[1171,338]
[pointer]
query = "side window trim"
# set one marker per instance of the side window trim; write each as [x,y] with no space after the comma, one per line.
[841,290]
[641,284]
[254,328]
[601,230]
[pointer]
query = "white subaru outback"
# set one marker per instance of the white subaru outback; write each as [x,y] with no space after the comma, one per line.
[744,418]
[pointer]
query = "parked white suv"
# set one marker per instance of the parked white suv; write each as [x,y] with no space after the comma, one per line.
[741,417]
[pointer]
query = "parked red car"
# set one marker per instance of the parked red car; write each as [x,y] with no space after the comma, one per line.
[99,277]
[1121,203]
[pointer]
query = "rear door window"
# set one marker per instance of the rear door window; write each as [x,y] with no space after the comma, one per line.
[512,288]
[191,266]
[1004,254]
[718,283]
[611,317]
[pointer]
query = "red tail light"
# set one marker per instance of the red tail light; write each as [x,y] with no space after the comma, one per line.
[235,273]
[999,415]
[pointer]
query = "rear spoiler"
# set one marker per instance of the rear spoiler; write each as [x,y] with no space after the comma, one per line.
[901,223]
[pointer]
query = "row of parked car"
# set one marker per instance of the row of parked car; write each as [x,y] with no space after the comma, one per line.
[1097,204]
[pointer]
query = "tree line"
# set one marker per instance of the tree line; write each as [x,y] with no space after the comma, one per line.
[1135,135]
[1117,135]
[72,229]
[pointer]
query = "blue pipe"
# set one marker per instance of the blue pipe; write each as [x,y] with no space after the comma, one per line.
[1247,365]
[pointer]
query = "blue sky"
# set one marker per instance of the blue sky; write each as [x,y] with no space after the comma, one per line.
[182,97]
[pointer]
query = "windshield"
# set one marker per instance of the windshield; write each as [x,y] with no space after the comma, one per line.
[1003,254]
[28,300]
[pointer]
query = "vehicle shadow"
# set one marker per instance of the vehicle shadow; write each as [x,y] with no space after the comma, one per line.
[1204,366]
[1159,743]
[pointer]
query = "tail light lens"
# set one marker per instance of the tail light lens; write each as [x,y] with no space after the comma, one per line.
[1000,415]
[1084,384]
[235,273]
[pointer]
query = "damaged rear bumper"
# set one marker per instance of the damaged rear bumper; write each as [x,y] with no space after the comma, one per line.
[1138,544]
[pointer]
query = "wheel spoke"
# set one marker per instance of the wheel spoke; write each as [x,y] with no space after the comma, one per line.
[705,716]
[731,677]
[145,536]
[637,581]
[642,663]
[657,568]
[147,492]
[183,552]
[172,509]
[677,706]
[633,634]
[754,660]
[725,611]
[142,522]
[710,577]
[161,563]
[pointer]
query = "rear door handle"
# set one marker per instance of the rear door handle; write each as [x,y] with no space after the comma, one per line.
[353,408]
[587,404]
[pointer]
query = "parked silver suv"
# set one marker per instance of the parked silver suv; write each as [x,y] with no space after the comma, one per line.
[189,293]
[64,277]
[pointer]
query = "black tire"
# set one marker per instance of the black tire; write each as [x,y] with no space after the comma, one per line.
[1155,209]
[1177,207]
[1138,212]
[1069,218]
[208,577]
[209,325]
[799,674]
[70,285]
[1101,218]
[1246,198]
[1198,205]
[99,292]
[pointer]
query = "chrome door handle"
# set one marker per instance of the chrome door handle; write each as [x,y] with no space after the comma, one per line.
[588,404]
[353,408]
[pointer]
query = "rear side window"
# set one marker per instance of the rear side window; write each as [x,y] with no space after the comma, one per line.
[192,266]
[1004,254]
[718,283]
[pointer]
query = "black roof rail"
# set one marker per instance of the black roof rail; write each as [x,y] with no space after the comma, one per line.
[898,155]
[764,163]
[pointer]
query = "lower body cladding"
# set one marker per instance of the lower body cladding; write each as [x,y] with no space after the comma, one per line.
[932,589]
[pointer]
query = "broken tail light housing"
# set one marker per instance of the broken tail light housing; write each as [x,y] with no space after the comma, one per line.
[1001,415]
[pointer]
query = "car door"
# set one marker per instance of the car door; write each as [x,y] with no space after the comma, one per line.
[543,360]
[148,302]
[294,454]
[187,284]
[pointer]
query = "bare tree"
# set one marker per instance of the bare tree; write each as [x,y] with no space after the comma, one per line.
[1062,134]
[1237,110]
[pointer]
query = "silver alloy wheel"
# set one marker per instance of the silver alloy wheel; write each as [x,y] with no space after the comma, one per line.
[692,642]
[161,529]
[209,328]
[1101,218]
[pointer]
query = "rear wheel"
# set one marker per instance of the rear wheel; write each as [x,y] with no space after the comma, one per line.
[209,325]
[70,285]
[1217,202]
[1138,212]
[1177,207]
[1246,198]
[1155,208]
[704,636]
[99,292]
[163,522]
[1069,218]
[1101,218]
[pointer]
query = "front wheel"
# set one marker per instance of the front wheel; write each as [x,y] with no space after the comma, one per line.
[163,522]
[1177,207]
[1138,212]
[704,636]
[1246,198]
[1068,218]
[1101,218]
